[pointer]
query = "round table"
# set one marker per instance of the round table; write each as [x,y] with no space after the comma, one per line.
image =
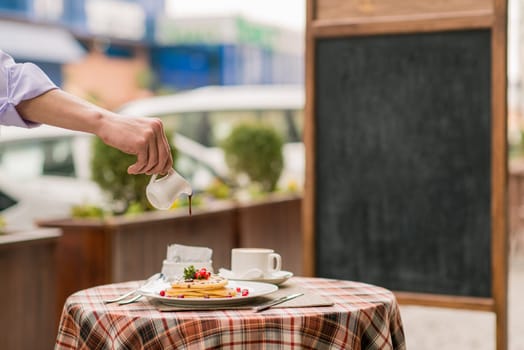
[357,316]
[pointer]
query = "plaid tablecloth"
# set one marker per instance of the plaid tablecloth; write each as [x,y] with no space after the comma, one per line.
[362,317]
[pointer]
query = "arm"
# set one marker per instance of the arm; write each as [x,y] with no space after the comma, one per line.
[143,137]
[28,98]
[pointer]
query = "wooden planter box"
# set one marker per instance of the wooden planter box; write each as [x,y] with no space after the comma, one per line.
[27,296]
[516,207]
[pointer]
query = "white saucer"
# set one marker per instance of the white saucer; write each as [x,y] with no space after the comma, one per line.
[278,277]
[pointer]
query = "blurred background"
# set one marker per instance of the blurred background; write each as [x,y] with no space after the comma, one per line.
[115,52]
[203,66]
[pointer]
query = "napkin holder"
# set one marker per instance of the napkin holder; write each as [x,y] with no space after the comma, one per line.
[180,257]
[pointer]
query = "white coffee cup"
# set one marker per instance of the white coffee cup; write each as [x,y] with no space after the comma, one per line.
[162,192]
[248,261]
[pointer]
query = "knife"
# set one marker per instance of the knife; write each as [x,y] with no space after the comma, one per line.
[276,302]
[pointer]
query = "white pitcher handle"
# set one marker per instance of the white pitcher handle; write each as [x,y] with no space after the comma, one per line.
[155,176]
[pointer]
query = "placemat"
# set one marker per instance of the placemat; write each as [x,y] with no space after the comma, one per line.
[309,299]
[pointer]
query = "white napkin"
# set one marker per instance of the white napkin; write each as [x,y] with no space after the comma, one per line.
[185,253]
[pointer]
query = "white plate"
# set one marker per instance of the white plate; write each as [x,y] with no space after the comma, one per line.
[275,278]
[255,289]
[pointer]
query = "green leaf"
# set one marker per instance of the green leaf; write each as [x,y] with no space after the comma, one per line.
[189,272]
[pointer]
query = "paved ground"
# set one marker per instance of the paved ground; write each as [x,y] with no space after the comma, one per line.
[446,329]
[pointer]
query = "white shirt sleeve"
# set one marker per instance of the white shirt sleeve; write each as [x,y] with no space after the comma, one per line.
[18,82]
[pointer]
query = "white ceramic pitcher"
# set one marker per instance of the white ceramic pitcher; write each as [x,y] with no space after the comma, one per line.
[162,192]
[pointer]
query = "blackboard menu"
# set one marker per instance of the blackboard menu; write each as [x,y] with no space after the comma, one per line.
[403,161]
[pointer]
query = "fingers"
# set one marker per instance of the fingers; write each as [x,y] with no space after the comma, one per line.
[141,163]
[152,157]
[153,151]
[165,154]
[159,153]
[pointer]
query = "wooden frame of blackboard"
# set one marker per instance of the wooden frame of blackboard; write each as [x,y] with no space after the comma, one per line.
[334,19]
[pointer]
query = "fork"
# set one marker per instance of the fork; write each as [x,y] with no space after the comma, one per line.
[131,300]
[151,279]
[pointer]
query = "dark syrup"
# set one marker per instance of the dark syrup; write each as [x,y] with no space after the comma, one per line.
[189,201]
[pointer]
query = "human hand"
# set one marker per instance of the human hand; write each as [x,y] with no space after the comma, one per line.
[143,137]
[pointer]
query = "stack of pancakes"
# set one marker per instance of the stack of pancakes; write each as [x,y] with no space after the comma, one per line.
[213,287]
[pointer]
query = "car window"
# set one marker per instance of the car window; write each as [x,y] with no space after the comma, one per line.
[32,158]
[210,128]
[6,201]
[195,126]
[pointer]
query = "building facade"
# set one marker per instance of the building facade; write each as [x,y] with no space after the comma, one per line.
[179,53]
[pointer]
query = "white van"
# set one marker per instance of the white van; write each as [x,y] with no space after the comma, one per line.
[43,172]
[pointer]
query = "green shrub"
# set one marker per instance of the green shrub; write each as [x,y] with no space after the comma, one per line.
[87,211]
[255,150]
[109,171]
[219,190]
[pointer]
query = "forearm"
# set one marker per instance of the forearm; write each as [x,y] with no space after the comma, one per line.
[64,110]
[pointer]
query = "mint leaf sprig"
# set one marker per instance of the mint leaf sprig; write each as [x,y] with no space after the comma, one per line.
[190,273]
